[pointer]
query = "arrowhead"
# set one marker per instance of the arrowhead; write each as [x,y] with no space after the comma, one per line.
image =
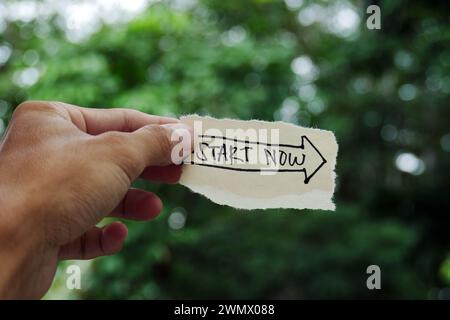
[314,159]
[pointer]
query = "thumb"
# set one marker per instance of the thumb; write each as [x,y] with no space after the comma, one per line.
[164,144]
[151,145]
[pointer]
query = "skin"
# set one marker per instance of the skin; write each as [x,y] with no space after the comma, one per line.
[62,169]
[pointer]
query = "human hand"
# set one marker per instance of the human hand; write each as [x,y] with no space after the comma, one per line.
[62,169]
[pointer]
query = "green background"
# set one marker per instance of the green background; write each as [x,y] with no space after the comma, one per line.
[384,93]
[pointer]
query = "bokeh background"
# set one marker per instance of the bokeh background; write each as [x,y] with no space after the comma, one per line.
[385,93]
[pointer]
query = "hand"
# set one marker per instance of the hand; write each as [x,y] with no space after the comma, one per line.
[62,169]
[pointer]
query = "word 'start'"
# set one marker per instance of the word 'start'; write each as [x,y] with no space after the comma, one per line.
[260,165]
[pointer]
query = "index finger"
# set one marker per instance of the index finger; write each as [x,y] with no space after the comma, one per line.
[97,121]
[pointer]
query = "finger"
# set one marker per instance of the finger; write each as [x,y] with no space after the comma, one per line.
[97,121]
[162,145]
[152,145]
[138,205]
[96,242]
[165,174]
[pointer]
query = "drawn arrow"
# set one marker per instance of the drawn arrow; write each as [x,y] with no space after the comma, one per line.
[311,156]
[321,160]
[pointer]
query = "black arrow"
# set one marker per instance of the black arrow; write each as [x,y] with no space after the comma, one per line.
[301,146]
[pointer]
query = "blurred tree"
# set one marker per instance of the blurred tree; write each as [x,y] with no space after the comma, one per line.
[384,94]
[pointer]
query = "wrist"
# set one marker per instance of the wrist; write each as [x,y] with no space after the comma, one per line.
[22,249]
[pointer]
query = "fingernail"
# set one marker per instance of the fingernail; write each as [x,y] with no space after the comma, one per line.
[179,126]
[176,125]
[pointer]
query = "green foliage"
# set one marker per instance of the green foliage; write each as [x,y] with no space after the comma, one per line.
[233,59]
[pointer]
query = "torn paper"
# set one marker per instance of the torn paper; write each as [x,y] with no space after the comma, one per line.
[260,165]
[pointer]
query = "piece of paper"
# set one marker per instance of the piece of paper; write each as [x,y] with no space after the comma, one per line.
[260,165]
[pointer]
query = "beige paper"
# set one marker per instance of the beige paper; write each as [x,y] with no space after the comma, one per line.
[260,165]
